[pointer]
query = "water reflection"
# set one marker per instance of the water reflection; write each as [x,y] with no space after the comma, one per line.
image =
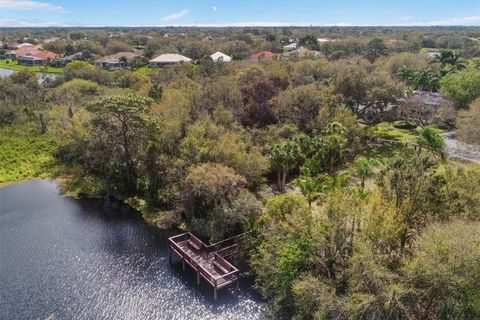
[42,77]
[83,259]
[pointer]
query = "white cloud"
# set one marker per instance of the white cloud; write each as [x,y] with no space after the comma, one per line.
[461,21]
[176,15]
[214,8]
[31,23]
[27,4]
[264,24]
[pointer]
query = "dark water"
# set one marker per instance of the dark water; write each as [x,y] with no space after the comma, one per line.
[85,259]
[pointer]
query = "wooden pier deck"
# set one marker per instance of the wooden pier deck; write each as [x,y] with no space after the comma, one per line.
[207,261]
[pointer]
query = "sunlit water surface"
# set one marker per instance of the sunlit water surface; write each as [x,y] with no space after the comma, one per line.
[87,259]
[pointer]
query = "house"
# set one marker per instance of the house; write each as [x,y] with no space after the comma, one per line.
[168,58]
[22,45]
[220,57]
[301,53]
[324,40]
[117,60]
[34,55]
[27,50]
[290,47]
[208,39]
[51,39]
[433,53]
[262,55]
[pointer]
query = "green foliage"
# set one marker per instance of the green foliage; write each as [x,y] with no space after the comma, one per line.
[216,202]
[375,49]
[429,137]
[25,154]
[444,273]
[156,92]
[463,87]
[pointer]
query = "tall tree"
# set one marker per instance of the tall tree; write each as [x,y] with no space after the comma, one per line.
[125,121]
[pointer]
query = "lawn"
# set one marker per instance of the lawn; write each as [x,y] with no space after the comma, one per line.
[13,65]
[25,153]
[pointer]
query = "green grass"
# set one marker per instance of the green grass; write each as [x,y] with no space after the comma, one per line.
[13,65]
[25,153]
[386,130]
[398,137]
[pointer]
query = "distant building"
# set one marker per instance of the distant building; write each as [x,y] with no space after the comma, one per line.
[116,61]
[433,53]
[168,58]
[290,47]
[220,57]
[51,39]
[301,53]
[324,40]
[208,39]
[262,55]
[34,55]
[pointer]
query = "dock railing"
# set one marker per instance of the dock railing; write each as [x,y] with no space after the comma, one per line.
[205,259]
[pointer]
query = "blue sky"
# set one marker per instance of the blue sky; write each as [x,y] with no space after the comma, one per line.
[14,13]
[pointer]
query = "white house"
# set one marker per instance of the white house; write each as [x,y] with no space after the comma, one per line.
[220,57]
[168,58]
[290,47]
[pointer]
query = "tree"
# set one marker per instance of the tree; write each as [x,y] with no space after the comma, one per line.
[429,137]
[468,124]
[463,87]
[375,49]
[77,35]
[215,201]
[156,92]
[309,41]
[407,183]
[299,105]
[443,274]
[256,100]
[450,58]
[283,159]
[285,250]
[333,141]
[124,120]
[363,168]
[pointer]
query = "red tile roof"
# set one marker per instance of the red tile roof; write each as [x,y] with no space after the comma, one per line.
[262,54]
[36,51]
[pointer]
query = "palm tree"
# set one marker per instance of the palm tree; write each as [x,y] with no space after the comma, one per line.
[283,159]
[310,188]
[430,138]
[363,168]
[451,58]
[333,142]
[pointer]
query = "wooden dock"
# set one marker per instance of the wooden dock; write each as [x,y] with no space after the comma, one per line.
[207,261]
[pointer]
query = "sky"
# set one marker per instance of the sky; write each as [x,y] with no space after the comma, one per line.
[89,13]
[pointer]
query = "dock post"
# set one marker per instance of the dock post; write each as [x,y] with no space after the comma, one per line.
[183,264]
[238,284]
[214,293]
[198,277]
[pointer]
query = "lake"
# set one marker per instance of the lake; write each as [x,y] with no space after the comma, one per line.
[91,259]
[41,76]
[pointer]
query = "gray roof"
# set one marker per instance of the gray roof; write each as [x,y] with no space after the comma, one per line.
[170,58]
